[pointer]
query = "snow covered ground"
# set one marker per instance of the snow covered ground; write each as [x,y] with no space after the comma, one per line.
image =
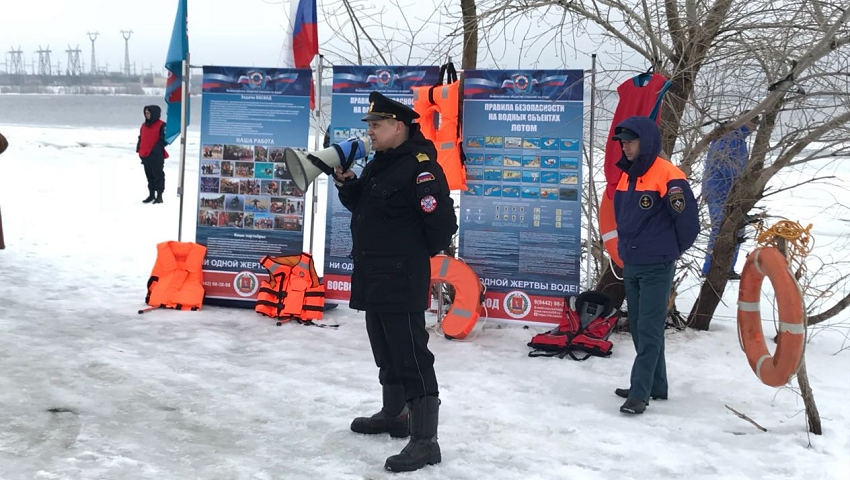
[89,389]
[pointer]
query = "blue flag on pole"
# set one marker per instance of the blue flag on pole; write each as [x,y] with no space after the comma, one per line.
[178,51]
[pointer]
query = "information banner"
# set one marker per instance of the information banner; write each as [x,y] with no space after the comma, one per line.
[248,205]
[351,88]
[520,218]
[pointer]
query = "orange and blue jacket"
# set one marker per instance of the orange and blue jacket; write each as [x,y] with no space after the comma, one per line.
[655,209]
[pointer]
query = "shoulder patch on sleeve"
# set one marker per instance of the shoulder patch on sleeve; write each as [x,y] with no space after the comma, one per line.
[424,177]
[677,201]
[422,157]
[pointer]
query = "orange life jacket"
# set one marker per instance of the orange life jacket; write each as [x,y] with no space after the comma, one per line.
[292,291]
[177,277]
[442,100]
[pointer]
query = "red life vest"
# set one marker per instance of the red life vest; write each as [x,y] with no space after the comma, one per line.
[641,96]
[293,290]
[148,136]
[588,321]
[177,277]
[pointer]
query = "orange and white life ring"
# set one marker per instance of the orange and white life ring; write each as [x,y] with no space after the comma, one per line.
[608,229]
[466,308]
[778,369]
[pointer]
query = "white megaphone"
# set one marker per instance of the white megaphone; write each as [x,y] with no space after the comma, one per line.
[306,166]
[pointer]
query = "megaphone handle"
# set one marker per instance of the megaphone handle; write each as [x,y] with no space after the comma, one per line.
[352,155]
[320,164]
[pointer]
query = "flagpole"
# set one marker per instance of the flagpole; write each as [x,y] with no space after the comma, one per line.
[592,190]
[184,116]
[316,146]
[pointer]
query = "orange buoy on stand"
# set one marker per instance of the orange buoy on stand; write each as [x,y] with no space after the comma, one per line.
[466,308]
[778,369]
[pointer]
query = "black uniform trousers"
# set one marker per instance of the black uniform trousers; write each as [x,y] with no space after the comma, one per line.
[155,173]
[400,346]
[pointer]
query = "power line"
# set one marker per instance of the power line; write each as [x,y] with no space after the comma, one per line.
[126,34]
[93,37]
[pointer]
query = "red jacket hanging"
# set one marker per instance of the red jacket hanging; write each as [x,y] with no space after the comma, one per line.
[639,96]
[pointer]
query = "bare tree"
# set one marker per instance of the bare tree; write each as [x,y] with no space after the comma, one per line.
[391,33]
[786,63]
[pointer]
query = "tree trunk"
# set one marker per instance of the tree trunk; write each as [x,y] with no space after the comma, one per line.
[470,34]
[723,252]
[812,414]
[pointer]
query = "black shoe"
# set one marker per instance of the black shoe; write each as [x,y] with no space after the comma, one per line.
[624,393]
[382,422]
[734,276]
[158,197]
[423,448]
[150,198]
[392,419]
[633,406]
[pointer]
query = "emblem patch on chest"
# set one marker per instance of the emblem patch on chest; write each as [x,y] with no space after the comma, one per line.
[428,204]
[645,202]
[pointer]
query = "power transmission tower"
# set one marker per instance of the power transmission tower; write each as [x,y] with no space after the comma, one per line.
[44,67]
[75,68]
[126,35]
[16,62]
[93,37]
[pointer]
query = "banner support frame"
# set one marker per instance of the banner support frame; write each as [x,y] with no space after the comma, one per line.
[184,114]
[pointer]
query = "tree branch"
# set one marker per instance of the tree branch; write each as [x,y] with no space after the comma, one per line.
[835,310]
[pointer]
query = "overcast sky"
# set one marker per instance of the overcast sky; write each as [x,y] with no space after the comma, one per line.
[244,32]
[221,32]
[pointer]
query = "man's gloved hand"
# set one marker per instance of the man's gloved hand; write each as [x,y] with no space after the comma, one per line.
[340,176]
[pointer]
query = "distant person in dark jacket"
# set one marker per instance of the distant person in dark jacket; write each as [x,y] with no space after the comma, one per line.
[402,215]
[151,149]
[657,221]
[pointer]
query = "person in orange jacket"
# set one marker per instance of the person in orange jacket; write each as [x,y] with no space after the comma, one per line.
[657,220]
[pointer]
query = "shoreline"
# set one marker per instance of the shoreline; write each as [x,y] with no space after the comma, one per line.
[116,90]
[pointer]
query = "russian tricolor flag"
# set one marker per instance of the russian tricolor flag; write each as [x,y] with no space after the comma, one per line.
[178,51]
[305,34]
[305,37]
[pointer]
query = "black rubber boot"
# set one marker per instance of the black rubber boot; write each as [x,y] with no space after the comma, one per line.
[624,393]
[422,449]
[150,197]
[633,406]
[391,419]
[158,197]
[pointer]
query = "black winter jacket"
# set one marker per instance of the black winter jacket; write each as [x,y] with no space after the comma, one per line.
[402,215]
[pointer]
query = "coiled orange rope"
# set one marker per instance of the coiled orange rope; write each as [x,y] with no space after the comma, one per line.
[799,240]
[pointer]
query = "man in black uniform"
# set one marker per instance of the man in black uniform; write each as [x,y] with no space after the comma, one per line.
[402,215]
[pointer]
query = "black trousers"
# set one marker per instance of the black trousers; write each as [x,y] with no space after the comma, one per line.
[155,173]
[400,346]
